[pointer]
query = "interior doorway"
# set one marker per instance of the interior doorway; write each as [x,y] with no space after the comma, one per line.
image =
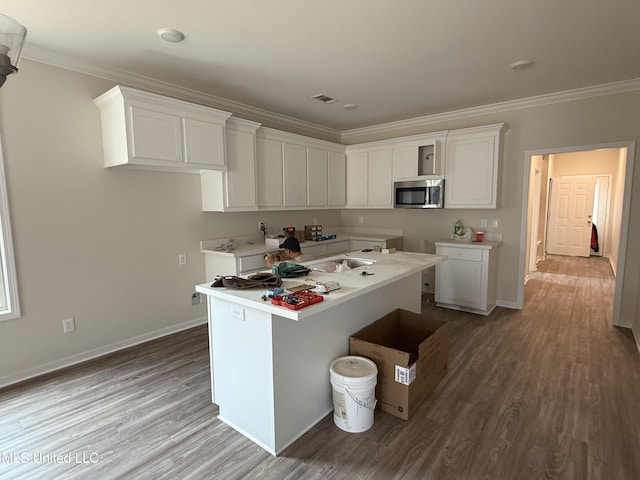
[609,203]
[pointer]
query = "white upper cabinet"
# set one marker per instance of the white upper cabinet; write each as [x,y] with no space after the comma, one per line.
[146,130]
[317,177]
[294,159]
[234,189]
[379,178]
[336,179]
[270,173]
[357,173]
[471,167]
[298,172]
[419,156]
[370,176]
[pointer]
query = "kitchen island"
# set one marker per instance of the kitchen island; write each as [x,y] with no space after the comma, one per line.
[270,364]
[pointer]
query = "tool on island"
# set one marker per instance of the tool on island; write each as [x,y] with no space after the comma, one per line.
[289,270]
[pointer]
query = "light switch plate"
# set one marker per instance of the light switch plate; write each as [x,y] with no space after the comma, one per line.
[495,223]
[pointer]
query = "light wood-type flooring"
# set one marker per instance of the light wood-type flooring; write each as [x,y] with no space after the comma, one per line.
[549,392]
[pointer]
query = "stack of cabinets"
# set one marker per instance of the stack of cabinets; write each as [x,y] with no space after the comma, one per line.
[373,167]
[151,131]
[297,172]
[467,159]
[235,188]
[369,176]
[471,167]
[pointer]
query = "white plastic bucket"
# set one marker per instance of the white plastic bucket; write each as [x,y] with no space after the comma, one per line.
[353,382]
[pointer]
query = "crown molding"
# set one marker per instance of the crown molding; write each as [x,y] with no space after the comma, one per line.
[302,127]
[248,112]
[393,128]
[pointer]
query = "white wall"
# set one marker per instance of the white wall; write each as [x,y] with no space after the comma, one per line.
[97,244]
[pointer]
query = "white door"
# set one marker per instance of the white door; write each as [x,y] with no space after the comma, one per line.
[570,216]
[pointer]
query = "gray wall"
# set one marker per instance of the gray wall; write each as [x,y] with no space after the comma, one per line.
[97,244]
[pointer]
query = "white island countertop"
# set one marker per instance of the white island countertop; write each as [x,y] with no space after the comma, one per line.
[387,269]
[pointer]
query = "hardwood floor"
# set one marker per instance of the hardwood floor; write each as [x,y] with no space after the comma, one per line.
[549,392]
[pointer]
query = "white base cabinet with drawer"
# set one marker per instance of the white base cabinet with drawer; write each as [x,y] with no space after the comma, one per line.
[467,280]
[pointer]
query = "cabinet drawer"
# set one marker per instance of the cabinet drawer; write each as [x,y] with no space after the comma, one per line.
[252,262]
[468,254]
[337,247]
[315,250]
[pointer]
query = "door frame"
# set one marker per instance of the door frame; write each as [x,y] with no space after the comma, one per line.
[624,227]
[603,227]
[535,221]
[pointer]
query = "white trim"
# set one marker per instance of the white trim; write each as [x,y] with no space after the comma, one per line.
[55,59]
[624,228]
[512,305]
[276,120]
[97,352]
[8,271]
[352,136]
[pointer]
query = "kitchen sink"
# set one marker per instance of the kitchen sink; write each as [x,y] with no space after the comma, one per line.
[340,264]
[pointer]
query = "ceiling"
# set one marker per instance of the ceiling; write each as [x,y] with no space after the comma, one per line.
[394,59]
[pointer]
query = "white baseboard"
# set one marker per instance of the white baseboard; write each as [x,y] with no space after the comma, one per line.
[502,303]
[97,352]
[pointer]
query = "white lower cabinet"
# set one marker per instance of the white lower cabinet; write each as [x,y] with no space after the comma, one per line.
[238,264]
[467,280]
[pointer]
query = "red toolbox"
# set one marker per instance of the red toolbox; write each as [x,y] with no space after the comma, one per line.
[297,300]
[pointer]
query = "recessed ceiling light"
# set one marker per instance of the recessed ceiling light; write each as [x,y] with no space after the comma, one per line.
[521,64]
[350,106]
[170,34]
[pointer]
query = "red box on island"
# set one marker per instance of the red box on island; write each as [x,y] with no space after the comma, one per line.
[411,353]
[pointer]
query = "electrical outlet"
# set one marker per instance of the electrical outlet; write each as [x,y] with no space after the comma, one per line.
[495,223]
[483,223]
[237,312]
[260,224]
[182,259]
[68,325]
[315,221]
[360,219]
[196,299]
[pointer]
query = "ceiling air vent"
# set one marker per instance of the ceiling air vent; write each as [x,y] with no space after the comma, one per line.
[323,98]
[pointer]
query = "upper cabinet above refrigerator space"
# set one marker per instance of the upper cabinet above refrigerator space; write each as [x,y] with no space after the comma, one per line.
[145,130]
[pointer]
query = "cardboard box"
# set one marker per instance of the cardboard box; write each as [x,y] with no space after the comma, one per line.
[410,351]
[299,234]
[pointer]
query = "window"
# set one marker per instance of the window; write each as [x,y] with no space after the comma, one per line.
[9,305]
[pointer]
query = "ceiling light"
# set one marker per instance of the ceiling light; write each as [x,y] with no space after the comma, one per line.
[12,36]
[350,106]
[521,64]
[170,35]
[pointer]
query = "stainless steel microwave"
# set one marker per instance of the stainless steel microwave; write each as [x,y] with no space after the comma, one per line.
[427,193]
